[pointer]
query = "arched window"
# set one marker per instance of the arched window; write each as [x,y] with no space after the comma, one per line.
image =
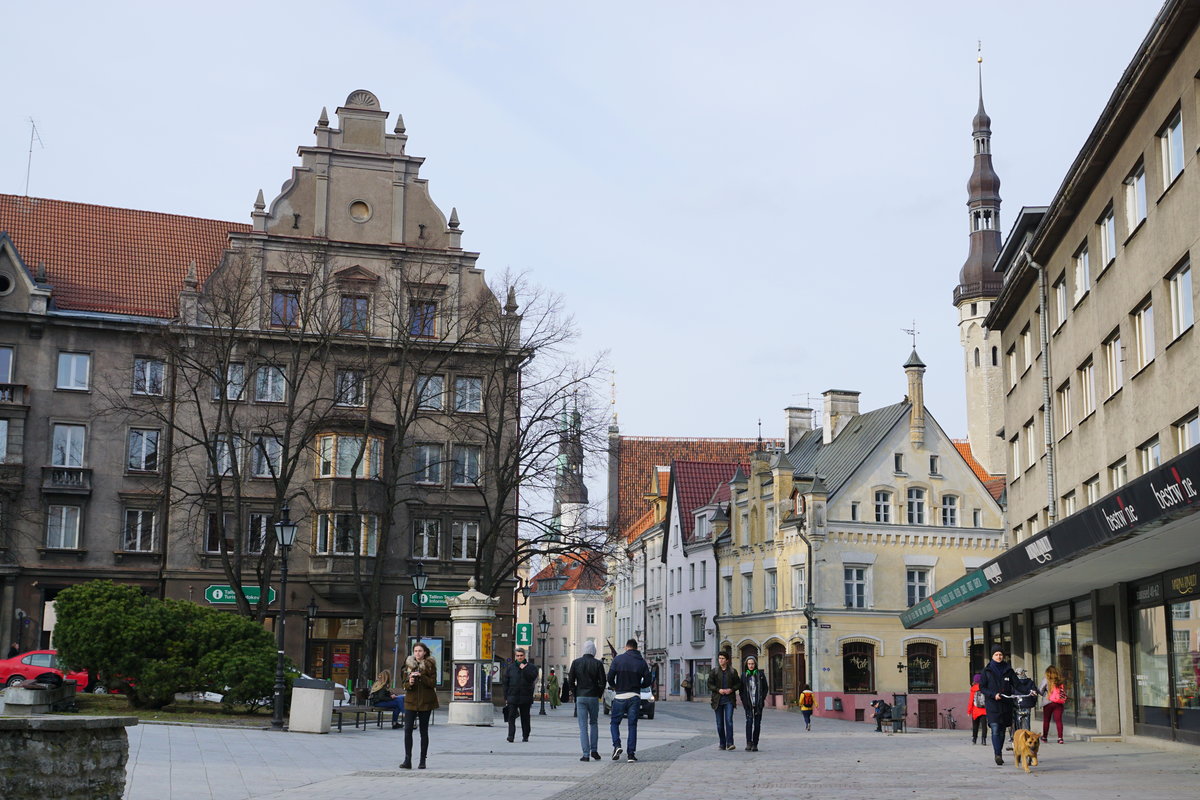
[977,356]
[995,357]
[775,657]
[858,668]
[749,650]
[922,668]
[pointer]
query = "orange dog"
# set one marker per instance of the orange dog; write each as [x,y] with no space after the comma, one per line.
[1025,748]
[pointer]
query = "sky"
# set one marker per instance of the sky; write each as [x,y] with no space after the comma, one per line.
[744,204]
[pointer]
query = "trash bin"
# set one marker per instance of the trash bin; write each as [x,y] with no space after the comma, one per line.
[312,706]
[899,712]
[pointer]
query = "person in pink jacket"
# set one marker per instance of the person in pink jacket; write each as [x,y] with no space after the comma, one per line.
[978,715]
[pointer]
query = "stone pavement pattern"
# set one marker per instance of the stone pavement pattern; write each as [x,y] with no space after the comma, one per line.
[677,760]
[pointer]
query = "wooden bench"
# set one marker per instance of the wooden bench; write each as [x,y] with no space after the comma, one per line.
[361,714]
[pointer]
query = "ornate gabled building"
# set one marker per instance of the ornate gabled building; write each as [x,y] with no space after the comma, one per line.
[168,385]
[570,592]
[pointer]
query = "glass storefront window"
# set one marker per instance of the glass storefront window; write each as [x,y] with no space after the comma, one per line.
[1185,655]
[1150,664]
[1085,662]
[922,668]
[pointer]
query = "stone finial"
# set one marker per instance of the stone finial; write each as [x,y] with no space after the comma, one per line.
[471,584]
[323,120]
[453,219]
[510,307]
[260,202]
[400,124]
[41,272]
[190,280]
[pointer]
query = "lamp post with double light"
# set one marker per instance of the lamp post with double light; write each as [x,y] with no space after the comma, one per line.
[285,537]
[543,628]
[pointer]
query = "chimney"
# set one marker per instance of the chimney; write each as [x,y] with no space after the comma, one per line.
[841,406]
[914,368]
[799,422]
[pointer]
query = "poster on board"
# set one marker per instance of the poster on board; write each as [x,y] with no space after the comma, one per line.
[464,681]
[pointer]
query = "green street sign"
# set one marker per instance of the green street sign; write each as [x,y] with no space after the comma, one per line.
[224,595]
[525,634]
[434,599]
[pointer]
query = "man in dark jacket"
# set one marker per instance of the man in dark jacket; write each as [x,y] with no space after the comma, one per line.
[586,679]
[520,677]
[627,676]
[997,680]
[725,684]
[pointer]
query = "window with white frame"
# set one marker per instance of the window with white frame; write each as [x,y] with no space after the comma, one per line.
[1083,272]
[142,450]
[854,513]
[590,615]
[1114,363]
[1062,409]
[1027,348]
[1091,489]
[703,574]
[565,618]
[799,592]
[770,590]
[62,528]
[74,371]
[1035,524]
[465,464]
[340,534]
[697,627]
[1067,506]
[431,391]
[231,381]
[1171,146]
[260,531]
[691,577]
[1135,198]
[266,456]
[949,511]
[148,376]
[1187,432]
[1087,387]
[748,593]
[426,536]
[1031,444]
[883,506]
[67,445]
[1010,362]
[1061,304]
[1118,474]
[918,585]
[1108,238]
[977,517]
[468,395]
[270,385]
[343,456]
[464,540]
[1149,455]
[916,506]
[138,535]
[935,464]
[727,594]
[6,364]
[1143,334]
[898,462]
[223,455]
[1014,455]
[855,584]
[427,463]
[350,388]
[1179,284]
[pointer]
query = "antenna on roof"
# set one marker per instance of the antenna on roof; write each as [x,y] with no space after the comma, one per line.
[760,434]
[33,135]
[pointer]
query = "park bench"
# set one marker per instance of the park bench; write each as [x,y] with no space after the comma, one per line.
[361,714]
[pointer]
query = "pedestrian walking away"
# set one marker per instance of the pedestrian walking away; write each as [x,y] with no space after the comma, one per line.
[807,702]
[520,678]
[724,684]
[586,678]
[420,700]
[978,712]
[382,696]
[1054,692]
[627,676]
[881,709]
[996,681]
[754,698]
[552,690]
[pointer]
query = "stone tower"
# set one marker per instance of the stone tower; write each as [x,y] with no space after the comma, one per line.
[978,287]
[570,490]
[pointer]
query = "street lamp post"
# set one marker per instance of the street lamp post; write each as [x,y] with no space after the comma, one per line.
[543,628]
[311,617]
[285,537]
[420,581]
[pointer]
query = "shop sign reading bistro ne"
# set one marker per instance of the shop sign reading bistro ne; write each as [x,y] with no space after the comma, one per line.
[1158,495]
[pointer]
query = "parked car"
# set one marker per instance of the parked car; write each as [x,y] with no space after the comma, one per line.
[645,708]
[28,666]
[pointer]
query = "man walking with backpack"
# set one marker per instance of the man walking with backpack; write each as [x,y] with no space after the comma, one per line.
[627,676]
[586,679]
[807,703]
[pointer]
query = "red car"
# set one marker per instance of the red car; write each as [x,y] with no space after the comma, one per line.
[29,665]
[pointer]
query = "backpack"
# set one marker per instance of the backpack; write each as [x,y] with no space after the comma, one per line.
[807,700]
[980,701]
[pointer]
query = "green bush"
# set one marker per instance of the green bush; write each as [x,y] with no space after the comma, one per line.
[155,649]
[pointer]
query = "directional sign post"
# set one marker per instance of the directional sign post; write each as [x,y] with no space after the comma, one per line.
[224,594]
[525,634]
[433,599]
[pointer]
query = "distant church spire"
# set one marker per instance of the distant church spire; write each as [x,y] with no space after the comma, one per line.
[976,279]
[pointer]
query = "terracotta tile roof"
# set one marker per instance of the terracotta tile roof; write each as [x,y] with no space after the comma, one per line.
[583,571]
[113,260]
[695,483]
[639,525]
[637,455]
[993,483]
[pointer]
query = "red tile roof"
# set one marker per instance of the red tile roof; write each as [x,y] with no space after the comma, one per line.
[639,525]
[583,571]
[637,455]
[695,483]
[113,260]
[993,483]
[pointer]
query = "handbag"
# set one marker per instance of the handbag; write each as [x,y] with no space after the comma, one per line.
[507,711]
[564,695]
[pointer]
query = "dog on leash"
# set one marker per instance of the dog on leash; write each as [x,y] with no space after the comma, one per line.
[1025,748]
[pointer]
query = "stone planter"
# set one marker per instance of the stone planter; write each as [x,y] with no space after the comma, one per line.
[71,758]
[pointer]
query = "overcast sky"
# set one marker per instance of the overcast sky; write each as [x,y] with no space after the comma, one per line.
[744,203]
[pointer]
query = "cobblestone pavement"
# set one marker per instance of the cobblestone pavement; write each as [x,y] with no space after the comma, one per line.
[677,760]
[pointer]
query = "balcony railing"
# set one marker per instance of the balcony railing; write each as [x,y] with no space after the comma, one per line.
[74,480]
[12,394]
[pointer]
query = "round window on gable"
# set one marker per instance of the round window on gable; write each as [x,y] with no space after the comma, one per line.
[360,211]
[6,283]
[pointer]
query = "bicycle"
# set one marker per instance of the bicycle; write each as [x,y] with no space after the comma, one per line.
[948,720]
[1021,716]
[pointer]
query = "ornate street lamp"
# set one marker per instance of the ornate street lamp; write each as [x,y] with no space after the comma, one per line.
[420,581]
[544,628]
[285,537]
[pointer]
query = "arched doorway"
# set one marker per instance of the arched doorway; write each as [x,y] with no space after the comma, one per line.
[747,651]
[797,665]
[776,657]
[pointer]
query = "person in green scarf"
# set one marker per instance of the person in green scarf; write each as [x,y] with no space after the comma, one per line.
[553,690]
[754,697]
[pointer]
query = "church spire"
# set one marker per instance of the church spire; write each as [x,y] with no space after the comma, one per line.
[976,279]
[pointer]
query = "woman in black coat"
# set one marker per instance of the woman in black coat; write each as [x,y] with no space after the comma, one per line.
[997,680]
[754,697]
